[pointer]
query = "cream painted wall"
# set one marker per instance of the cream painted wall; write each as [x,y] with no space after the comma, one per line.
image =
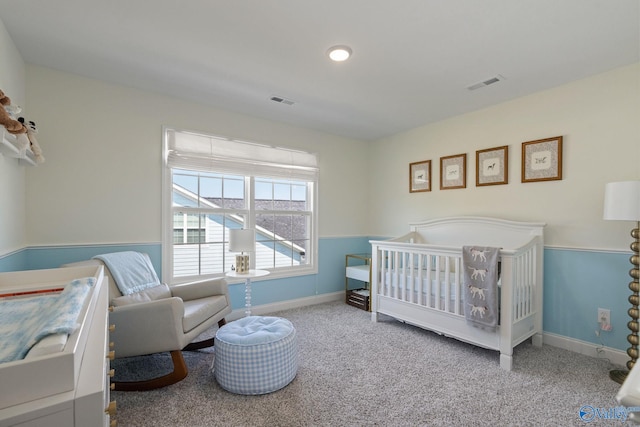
[599,119]
[103,144]
[12,174]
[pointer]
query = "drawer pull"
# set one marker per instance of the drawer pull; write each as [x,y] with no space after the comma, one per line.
[111,355]
[112,372]
[112,328]
[111,409]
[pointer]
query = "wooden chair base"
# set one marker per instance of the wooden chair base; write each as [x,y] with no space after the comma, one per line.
[178,374]
[179,369]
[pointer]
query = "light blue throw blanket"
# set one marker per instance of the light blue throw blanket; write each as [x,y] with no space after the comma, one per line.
[25,321]
[132,271]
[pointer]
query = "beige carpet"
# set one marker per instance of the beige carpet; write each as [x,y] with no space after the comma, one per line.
[354,372]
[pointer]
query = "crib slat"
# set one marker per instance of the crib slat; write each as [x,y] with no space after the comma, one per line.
[429,260]
[458,287]
[447,284]
[436,303]
[396,273]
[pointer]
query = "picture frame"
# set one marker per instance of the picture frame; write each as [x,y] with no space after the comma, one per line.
[492,166]
[542,160]
[420,176]
[453,172]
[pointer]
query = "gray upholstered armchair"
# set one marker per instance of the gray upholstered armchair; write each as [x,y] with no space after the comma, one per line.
[162,318]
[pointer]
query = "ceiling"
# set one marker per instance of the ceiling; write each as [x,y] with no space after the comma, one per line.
[412,62]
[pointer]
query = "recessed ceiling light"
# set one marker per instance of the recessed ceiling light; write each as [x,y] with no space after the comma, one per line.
[339,53]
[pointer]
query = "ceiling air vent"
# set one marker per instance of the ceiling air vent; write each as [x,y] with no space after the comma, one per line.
[487,82]
[282,100]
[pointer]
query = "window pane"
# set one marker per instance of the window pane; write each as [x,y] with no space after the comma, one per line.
[300,227]
[186,260]
[267,223]
[210,190]
[185,191]
[283,227]
[234,197]
[299,198]
[212,257]
[264,254]
[264,194]
[282,196]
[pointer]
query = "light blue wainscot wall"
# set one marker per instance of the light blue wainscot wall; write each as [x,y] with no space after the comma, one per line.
[576,283]
[330,277]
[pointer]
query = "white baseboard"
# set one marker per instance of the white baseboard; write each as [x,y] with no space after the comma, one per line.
[260,310]
[616,357]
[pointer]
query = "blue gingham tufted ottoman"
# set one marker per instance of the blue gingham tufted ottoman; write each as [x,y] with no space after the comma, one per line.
[255,355]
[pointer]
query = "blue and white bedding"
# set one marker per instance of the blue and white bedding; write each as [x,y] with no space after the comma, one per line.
[25,321]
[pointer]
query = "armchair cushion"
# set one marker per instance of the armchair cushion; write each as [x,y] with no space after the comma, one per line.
[201,289]
[149,294]
[199,310]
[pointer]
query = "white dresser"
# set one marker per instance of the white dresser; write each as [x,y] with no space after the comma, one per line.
[68,387]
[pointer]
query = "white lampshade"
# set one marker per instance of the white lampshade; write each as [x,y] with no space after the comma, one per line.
[622,201]
[241,240]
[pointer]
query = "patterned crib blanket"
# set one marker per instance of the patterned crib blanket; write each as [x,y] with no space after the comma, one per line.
[25,321]
[480,273]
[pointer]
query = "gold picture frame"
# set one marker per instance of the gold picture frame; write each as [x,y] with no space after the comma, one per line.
[420,176]
[453,172]
[492,166]
[542,160]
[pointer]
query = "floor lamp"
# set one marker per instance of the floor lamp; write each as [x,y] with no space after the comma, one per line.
[622,203]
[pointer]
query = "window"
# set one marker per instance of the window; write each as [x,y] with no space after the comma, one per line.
[212,185]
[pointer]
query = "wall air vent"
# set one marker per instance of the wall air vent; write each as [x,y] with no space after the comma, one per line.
[487,82]
[282,100]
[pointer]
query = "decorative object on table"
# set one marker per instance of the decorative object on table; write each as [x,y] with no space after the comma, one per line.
[453,172]
[242,240]
[420,176]
[542,160]
[622,203]
[492,166]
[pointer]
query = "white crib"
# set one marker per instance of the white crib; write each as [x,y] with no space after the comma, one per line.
[418,279]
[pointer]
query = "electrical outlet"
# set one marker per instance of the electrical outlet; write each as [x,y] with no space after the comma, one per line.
[604,319]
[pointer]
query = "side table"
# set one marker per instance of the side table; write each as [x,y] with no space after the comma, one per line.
[247,285]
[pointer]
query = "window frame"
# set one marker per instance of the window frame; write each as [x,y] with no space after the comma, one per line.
[310,267]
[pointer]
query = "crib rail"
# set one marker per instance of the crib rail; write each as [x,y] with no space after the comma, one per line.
[431,276]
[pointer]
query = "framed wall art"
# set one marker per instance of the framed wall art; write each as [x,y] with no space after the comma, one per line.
[542,160]
[492,166]
[453,172]
[420,176]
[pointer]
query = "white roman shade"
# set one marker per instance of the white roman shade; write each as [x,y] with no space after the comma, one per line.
[187,150]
